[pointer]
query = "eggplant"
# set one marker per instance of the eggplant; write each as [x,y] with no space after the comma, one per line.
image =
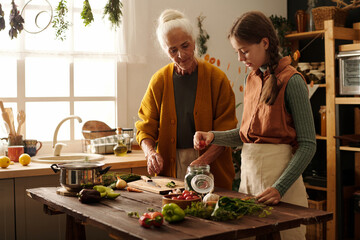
[89,196]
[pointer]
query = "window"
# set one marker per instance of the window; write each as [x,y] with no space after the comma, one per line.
[52,79]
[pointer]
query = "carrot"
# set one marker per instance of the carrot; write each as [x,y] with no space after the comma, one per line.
[131,189]
[207,57]
[218,62]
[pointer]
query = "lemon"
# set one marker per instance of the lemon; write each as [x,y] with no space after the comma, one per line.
[24,159]
[4,161]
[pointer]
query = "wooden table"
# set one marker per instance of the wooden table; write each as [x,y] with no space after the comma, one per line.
[111,215]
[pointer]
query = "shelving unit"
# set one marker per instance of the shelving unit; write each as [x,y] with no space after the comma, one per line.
[329,35]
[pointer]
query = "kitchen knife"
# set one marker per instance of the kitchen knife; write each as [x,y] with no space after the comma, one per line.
[150,181]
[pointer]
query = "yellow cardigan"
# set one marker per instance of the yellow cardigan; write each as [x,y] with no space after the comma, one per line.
[214,109]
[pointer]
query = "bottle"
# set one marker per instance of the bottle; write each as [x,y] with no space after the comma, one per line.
[198,178]
[310,22]
[322,112]
[128,134]
[120,148]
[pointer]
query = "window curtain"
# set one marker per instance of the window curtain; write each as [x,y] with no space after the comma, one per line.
[134,39]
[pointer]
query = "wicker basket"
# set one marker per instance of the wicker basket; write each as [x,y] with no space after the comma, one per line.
[320,14]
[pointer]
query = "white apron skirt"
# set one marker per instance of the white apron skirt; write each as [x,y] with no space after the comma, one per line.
[184,157]
[261,166]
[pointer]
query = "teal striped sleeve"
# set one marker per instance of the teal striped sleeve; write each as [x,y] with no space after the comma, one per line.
[229,138]
[298,105]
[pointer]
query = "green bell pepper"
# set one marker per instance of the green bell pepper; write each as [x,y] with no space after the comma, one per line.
[173,213]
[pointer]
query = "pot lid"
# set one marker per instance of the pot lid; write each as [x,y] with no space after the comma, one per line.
[81,165]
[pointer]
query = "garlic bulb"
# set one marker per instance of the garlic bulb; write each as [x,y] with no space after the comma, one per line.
[211,197]
[120,183]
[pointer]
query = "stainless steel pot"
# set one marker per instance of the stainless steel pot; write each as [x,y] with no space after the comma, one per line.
[76,176]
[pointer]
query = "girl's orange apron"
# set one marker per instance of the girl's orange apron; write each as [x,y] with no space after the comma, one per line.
[261,166]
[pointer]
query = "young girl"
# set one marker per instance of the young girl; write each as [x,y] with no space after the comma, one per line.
[277,128]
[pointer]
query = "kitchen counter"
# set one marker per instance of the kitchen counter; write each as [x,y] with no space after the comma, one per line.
[135,159]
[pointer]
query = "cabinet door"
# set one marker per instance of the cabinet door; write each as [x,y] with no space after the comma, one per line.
[31,221]
[7,212]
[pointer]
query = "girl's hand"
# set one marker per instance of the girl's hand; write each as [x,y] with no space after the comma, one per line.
[155,162]
[202,139]
[270,196]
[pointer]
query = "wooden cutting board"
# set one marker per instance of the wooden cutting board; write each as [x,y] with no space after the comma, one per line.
[161,181]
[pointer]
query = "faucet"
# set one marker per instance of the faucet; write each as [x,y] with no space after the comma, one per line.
[58,146]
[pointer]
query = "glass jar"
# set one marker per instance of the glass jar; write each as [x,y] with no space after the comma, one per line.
[198,178]
[322,112]
[120,148]
[128,134]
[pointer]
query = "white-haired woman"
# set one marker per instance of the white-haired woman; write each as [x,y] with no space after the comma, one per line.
[183,97]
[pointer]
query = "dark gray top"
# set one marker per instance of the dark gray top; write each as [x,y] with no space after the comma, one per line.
[185,95]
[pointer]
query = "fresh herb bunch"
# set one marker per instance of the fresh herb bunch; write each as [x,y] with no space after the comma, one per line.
[228,209]
[200,210]
[202,37]
[113,9]
[86,13]
[282,27]
[2,19]
[60,23]
[234,208]
[16,21]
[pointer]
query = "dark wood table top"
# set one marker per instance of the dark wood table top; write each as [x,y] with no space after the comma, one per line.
[111,215]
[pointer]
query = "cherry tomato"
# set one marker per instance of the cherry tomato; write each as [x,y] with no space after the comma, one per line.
[202,143]
[186,195]
[180,197]
[193,193]
[195,197]
[189,197]
[185,191]
[174,198]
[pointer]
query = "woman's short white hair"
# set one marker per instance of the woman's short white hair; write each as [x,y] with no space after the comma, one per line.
[169,20]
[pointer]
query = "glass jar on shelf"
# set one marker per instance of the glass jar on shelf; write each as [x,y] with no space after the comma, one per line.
[322,112]
[198,178]
[120,148]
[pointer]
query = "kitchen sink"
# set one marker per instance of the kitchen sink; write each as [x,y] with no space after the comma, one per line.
[67,157]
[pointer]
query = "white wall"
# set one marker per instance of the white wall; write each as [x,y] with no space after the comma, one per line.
[220,14]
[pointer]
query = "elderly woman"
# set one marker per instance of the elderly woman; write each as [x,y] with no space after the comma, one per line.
[183,97]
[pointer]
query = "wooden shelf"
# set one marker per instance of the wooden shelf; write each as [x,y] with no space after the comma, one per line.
[304,35]
[347,100]
[321,137]
[347,148]
[308,186]
[329,36]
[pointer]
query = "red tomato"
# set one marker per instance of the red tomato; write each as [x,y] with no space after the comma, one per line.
[193,193]
[174,198]
[195,197]
[180,197]
[189,197]
[202,143]
[145,221]
[157,219]
[186,194]
[185,191]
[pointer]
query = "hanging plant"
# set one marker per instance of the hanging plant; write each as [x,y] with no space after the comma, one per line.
[2,19]
[16,21]
[113,9]
[60,23]
[202,37]
[282,27]
[86,13]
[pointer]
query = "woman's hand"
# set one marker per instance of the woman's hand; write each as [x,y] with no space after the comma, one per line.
[270,196]
[202,139]
[155,162]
